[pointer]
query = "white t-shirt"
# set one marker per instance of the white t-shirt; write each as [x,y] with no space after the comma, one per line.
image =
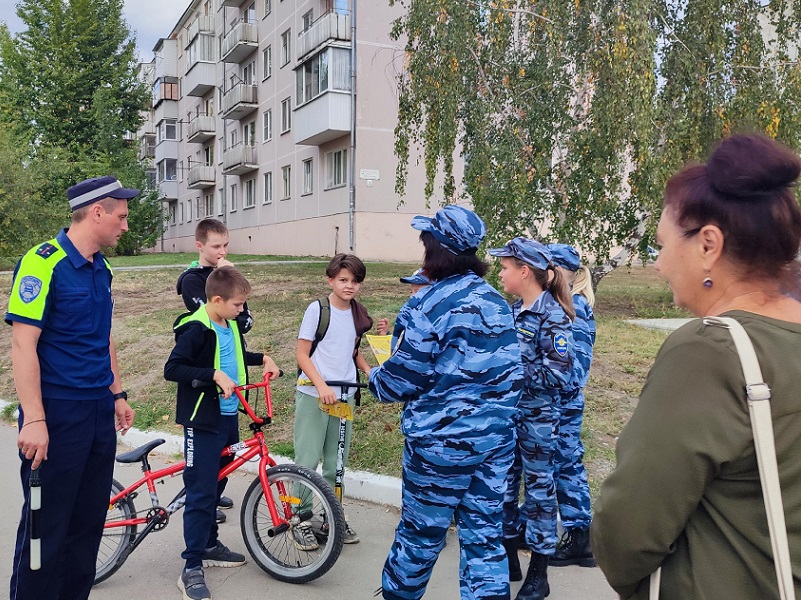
[333,356]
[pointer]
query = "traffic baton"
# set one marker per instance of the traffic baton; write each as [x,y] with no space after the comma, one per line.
[35,485]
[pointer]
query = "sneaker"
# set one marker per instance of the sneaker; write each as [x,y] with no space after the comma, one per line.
[350,535]
[303,537]
[220,517]
[225,503]
[222,556]
[193,585]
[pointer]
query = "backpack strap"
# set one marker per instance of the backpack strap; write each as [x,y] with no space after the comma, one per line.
[323,321]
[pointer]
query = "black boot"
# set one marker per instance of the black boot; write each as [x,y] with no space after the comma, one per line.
[574,549]
[510,544]
[535,587]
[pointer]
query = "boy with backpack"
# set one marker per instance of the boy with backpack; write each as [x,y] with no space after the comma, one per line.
[209,348]
[328,350]
[211,240]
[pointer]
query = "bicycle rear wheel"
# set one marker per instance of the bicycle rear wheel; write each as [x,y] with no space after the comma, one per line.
[303,499]
[115,540]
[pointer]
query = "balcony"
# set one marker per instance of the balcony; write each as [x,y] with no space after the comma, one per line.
[232,3]
[147,147]
[168,189]
[200,78]
[239,159]
[330,26]
[203,24]
[323,119]
[241,41]
[200,177]
[239,101]
[201,129]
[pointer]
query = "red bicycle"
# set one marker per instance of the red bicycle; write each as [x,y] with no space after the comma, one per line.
[280,501]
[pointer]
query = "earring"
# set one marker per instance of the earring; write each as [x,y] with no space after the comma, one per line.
[707,279]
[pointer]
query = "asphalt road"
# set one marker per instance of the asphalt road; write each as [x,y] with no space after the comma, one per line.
[152,570]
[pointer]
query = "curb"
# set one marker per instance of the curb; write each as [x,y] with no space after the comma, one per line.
[359,485]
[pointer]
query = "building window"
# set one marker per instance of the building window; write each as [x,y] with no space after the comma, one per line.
[200,209]
[286,182]
[268,187]
[267,129]
[286,47]
[208,200]
[286,115]
[268,7]
[336,168]
[250,14]
[168,170]
[249,133]
[249,193]
[308,177]
[267,59]
[329,70]
[172,213]
[308,19]
[188,211]
[181,212]
[168,130]
[249,73]
[232,199]
[208,155]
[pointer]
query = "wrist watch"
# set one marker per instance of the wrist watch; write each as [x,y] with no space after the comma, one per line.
[123,395]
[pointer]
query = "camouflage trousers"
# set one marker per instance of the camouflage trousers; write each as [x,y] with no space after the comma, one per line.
[572,485]
[444,482]
[534,459]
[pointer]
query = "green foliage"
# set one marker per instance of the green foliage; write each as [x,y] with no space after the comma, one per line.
[571,115]
[69,93]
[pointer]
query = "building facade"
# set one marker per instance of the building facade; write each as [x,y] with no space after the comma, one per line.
[251,123]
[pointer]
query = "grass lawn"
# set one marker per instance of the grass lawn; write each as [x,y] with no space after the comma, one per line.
[147,305]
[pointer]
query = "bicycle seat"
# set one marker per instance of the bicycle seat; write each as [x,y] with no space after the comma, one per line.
[136,455]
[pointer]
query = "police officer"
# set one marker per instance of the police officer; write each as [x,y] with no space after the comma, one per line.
[543,319]
[572,484]
[457,370]
[69,389]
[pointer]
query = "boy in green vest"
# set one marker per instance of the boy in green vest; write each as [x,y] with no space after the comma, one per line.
[209,347]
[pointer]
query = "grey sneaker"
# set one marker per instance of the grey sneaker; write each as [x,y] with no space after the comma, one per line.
[303,537]
[193,585]
[350,535]
[222,556]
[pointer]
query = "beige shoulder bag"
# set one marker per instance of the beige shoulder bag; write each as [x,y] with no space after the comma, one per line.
[762,424]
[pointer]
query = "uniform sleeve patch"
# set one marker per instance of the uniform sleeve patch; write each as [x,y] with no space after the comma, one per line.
[29,288]
[526,332]
[560,344]
[46,250]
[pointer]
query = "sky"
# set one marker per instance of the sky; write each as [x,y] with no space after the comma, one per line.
[148,20]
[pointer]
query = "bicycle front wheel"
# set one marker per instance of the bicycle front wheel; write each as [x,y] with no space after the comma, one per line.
[115,540]
[310,540]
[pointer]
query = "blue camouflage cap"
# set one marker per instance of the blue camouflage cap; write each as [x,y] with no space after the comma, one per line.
[565,256]
[458,229]
[530,252]
[416,278]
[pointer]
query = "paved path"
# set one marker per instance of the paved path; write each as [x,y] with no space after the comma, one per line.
[152,570]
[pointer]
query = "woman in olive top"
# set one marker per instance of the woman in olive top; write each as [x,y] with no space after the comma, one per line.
[686,493]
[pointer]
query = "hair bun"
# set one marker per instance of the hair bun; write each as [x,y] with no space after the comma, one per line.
[750,166]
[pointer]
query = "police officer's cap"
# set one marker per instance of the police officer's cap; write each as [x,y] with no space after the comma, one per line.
[529,251]
[90,191]
[416,278]
[456,228]
[565,256]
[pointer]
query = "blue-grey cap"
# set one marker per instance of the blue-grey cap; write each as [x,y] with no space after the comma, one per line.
[458,229]
[529,251]
[417,278]
[90,191]
[565,256]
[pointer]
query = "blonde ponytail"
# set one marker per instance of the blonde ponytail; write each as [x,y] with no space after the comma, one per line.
[583,285]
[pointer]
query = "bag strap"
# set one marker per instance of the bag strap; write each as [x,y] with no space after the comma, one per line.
[758,394]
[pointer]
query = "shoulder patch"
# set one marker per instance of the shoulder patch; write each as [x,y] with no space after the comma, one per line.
[46,250]
[560,344]
[29,288]
[526,332]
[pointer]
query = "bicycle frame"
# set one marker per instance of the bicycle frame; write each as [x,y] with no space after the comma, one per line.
[242,452]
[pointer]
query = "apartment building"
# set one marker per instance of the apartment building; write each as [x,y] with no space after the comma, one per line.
[251,123]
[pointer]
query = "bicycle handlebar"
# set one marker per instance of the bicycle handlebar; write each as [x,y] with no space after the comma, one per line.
[199,383]
[348,384]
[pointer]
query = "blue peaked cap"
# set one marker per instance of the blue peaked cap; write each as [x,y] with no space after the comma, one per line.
[565,256]
[530,252]
[458,229]
[417,278]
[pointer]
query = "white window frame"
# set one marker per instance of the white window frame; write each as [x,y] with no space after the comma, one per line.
[248,193]
[286,114]
[308,177]
[208,201]
[249,73]
[267,125]
[232,199]
[286,182]
[286,47]
[268,188]
[307,19]
[268,7]
[267,62]
[336,168]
